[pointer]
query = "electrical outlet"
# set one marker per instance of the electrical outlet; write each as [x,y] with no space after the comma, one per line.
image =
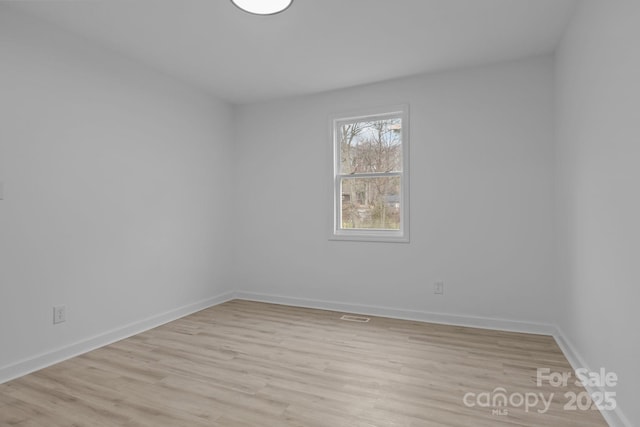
[438,288]
[59,314]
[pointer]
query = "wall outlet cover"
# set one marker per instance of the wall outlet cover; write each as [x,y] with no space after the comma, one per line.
[59,314]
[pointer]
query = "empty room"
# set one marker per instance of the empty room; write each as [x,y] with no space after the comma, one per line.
[319,213]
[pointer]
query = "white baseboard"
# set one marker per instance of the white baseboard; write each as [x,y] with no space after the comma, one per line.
[52,357]
[398,313]
[615,418]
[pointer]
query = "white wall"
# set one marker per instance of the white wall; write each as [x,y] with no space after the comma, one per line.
[481,198]
[598,81]
[122,194]
[116,197]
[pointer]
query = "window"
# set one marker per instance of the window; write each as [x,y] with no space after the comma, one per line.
[370,175]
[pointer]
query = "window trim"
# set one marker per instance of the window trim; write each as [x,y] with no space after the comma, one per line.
[370,235]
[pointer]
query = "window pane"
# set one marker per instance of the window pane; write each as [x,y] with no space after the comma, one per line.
[370,203]
[371,146]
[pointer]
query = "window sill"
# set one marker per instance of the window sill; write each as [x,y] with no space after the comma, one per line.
[382,237]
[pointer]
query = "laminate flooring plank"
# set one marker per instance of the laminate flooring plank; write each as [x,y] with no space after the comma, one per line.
[249,364]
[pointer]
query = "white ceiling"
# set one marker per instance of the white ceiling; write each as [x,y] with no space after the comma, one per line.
[316,45]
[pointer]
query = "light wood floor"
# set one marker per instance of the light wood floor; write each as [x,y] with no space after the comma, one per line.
[253,364]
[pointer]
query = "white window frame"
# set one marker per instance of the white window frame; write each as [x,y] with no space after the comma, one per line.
[370,235]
